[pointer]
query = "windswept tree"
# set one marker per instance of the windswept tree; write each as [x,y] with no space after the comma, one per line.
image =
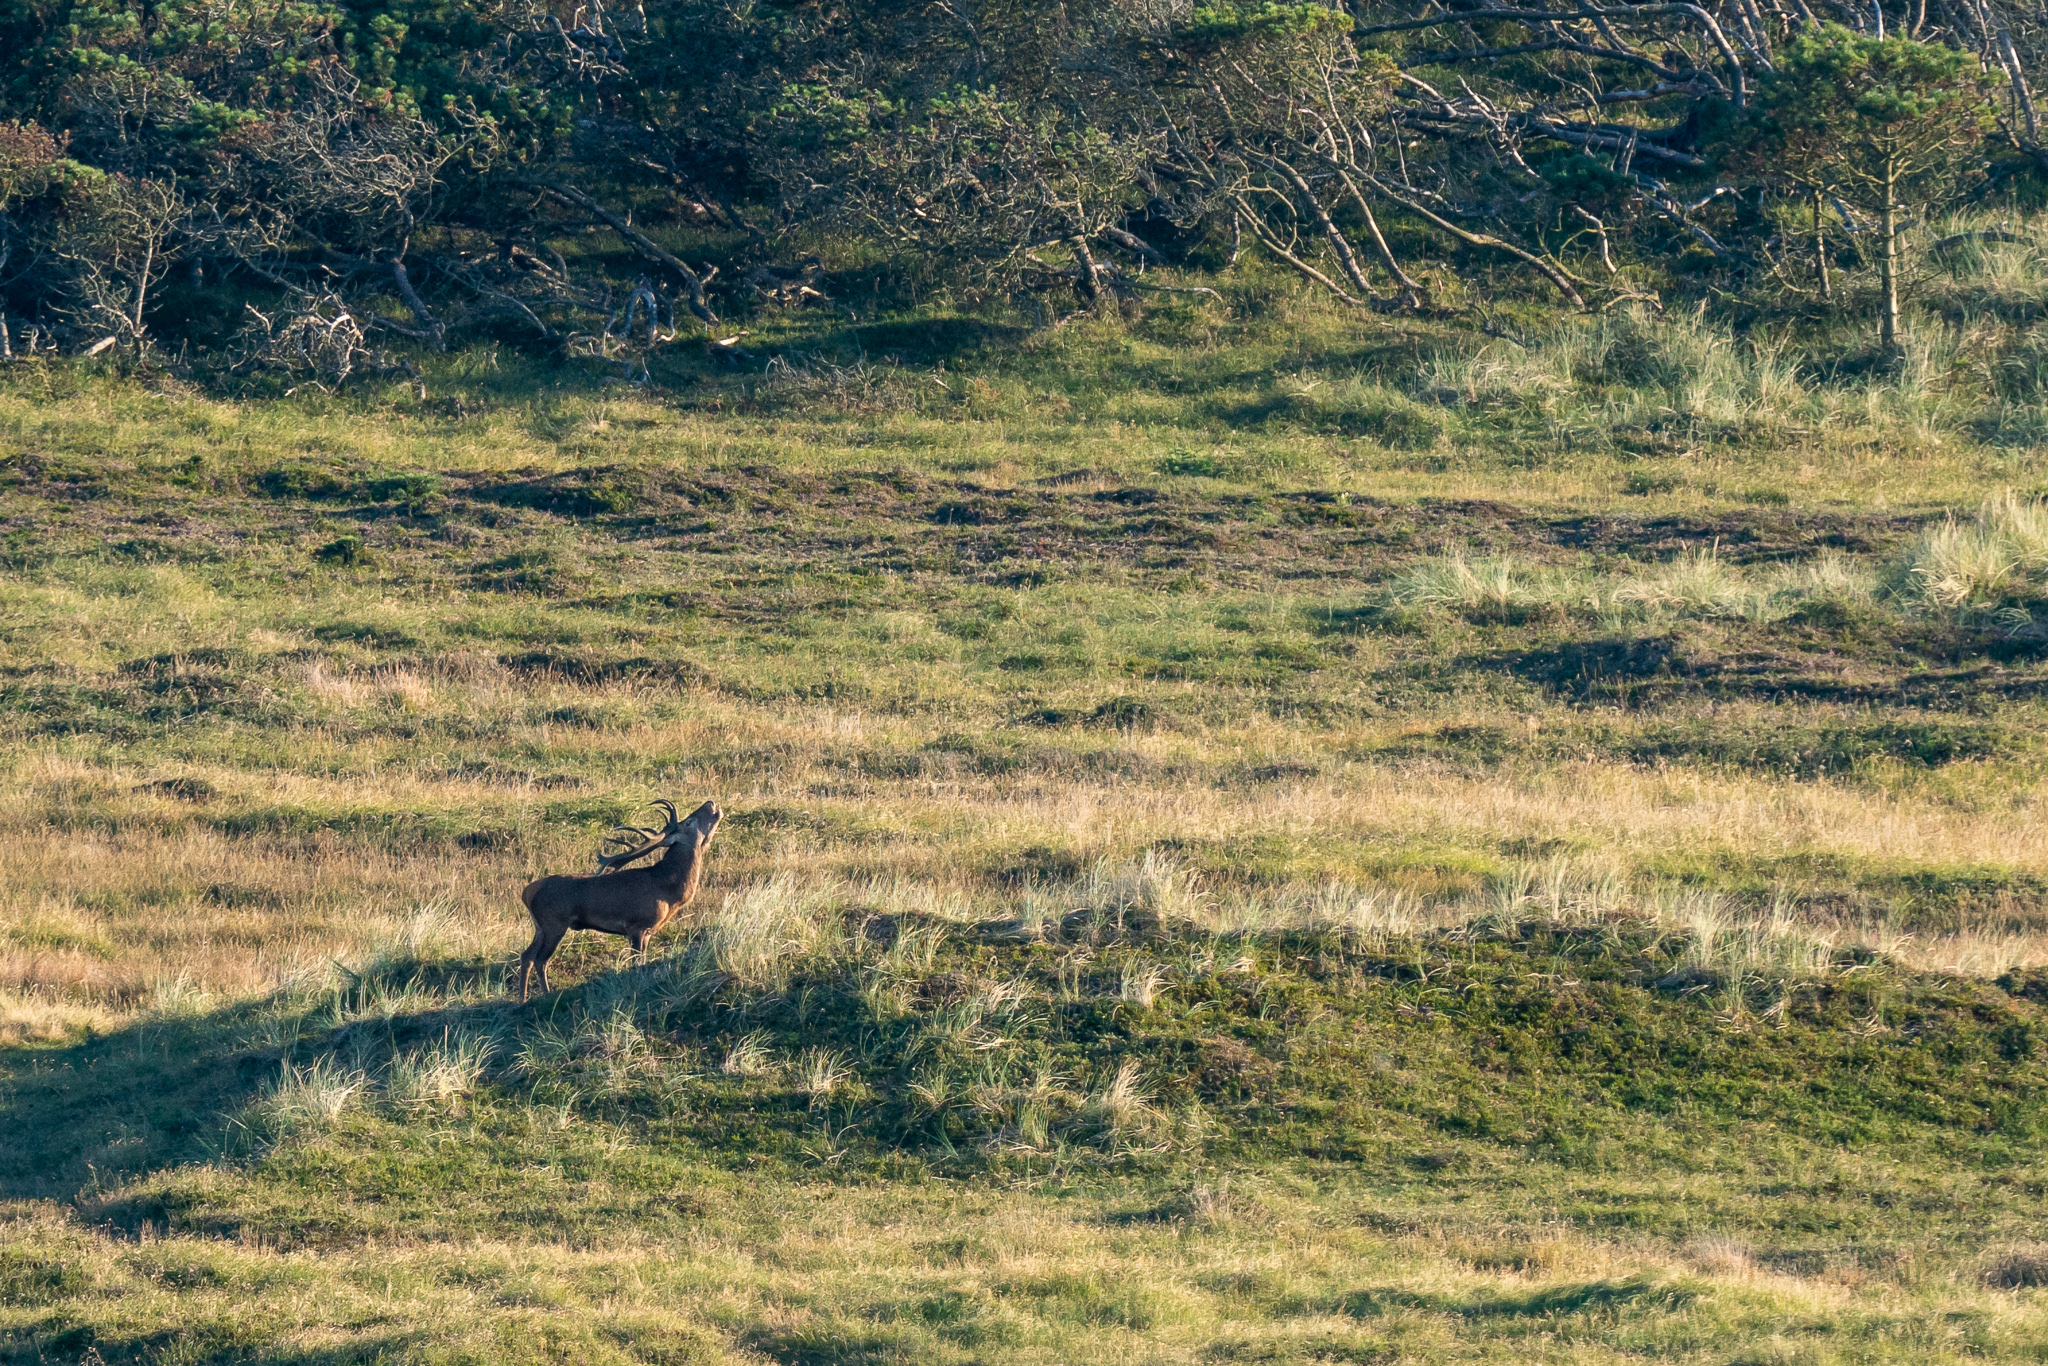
[409,168]
[1888,126]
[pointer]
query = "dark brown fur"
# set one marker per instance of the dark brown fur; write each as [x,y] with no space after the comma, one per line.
[634,902]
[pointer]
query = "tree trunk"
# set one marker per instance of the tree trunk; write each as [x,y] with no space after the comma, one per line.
[436,334]
[1820,251]
[1888,261]
[639,242]
[1091,284]
[142,285]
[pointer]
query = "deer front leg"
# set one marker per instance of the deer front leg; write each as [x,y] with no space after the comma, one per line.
[638,940]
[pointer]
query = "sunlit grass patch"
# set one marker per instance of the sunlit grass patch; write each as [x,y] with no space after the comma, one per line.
[304,1100]
[1988,564]
[1697,584]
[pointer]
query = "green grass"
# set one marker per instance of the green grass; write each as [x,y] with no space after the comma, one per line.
[1456,1128]
[1250,837]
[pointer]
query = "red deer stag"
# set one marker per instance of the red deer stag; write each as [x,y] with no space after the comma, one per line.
[634,903]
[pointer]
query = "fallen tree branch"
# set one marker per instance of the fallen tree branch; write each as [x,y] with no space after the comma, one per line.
[1481,239]
[639,241]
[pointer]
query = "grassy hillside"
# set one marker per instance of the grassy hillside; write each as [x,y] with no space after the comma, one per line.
[1247,839]
[818,1133]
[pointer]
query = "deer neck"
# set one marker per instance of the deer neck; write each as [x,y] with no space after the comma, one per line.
[677,871]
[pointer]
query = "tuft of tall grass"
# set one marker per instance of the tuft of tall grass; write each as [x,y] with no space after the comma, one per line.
[1770,949]
[1120,1106]
[749,1056]
[177,997]
[1694,584]
[1998,555]
[820,1072]
[1562,889]
[1374,914]
[1468,585]
[1017,1115]
[1111,891]
[305,1100]
[1154,882]
[1141,981]
[760,931]
[1628,367]
[447,1071]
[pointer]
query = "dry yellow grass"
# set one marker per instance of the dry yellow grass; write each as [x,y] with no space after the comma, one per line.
[1293,1272]
[118,892]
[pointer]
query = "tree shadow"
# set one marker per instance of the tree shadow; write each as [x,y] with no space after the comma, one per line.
[930,340]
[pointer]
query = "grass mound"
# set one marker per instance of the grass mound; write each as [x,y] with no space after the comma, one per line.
[796,1029]
[1634,1130]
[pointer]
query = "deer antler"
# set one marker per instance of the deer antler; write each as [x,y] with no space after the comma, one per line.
[647,838]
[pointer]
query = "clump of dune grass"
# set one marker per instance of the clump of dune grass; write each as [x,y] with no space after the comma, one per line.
[1979,565]
[305,1100]
[1720,1255]
[446,1071]
[36,1013]
[1738,950]
[1112,893]
[761,930]
[1699,584]
[1120,1106]
[820,1072]
[1497,583]
[749,1056]
[1625,367]
[1560,890]
[1155,882]
[797,382]
[1375,915]
[1017,1115]
[1140,982]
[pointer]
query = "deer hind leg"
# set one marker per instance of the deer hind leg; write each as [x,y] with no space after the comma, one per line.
[545,941]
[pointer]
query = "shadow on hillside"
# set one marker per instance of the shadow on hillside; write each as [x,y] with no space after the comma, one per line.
[221,1341]
[80,1119]
[134,1100]
[802,1348]
[1541,1302]
[928,340]
[1764,661]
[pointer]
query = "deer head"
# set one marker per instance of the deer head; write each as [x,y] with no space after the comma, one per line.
[630,842]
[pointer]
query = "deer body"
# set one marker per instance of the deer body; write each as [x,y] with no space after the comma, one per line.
[634,903]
